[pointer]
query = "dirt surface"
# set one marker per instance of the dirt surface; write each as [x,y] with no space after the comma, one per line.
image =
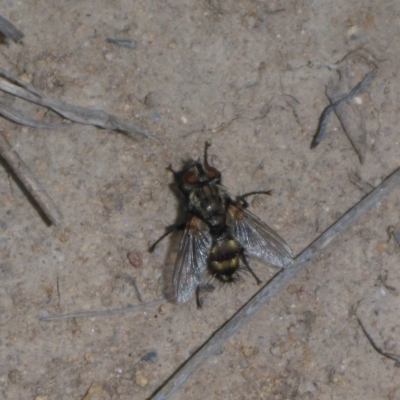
[251,77]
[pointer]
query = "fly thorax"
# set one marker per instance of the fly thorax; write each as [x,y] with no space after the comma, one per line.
[209,203]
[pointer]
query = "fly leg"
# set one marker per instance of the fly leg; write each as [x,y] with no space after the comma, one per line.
[242,198]
[171,228]
[199,300]
[246,264]
[170,169]
[168,230]
[202,288]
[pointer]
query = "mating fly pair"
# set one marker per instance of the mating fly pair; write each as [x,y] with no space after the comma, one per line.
[219,233]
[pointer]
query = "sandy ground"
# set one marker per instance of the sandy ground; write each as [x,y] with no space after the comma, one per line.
[250,76]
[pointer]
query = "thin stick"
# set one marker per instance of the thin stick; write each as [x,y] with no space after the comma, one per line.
[323,121]
[16,116]
[128,43]
[9,30]
[394,357]
[58,290]
[43,316]
[17,87]
[214,343]
[25,176]
[132,281]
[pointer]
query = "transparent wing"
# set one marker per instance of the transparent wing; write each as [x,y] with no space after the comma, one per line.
[192,258]
[257,238]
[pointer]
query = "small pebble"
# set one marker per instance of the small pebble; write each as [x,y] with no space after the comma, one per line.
[352,32]
[88,357]
[276,351]
[95,392]
[150,356]
[148,38]
[381,247]
[108,56]
[155,116]
[310,387]
[151,100]
[135,258]
[162,310]
[141,379]
[15,376]
[63,236]
[247,351]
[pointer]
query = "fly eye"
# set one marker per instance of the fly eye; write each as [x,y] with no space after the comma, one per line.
[190,177]
[213,172]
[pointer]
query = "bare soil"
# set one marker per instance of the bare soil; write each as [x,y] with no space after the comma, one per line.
[250,77]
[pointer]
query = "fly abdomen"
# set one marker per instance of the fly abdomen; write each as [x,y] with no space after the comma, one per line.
[224,259]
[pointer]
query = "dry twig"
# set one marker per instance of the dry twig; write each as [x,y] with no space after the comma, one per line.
[25,176]
[128,43]
[131,281]
[321,131]
[43,316]
[17,87]
[391,356]
[9,30]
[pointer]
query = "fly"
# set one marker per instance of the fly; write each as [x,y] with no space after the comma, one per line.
[219,233]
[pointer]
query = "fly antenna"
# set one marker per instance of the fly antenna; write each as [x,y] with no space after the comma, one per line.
[206,146]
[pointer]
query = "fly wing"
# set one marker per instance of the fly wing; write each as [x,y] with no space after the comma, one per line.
[192,258]
[257,238]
